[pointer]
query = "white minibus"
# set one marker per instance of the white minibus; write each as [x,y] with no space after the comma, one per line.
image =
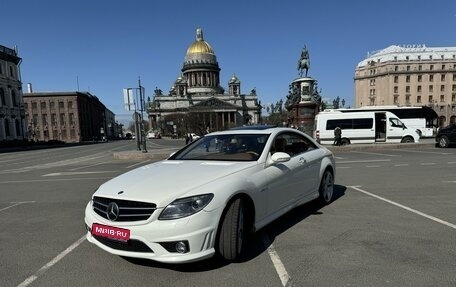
[362,127]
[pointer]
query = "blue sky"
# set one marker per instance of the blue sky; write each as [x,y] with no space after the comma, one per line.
[104,46]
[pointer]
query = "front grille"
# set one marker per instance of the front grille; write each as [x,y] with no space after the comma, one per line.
[128,210]
[131,245]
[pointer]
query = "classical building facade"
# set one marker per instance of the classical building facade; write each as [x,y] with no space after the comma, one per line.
[68,116]
[197,102]
[412,75]
[12,115]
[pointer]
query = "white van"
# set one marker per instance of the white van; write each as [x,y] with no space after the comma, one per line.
[362,127]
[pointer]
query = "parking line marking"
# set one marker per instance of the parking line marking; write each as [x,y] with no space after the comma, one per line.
[278,265]
[362,161]
[51,263]
[374,153]
[427,163]
[133,165]
[402,164]
[406,208]
[16,204]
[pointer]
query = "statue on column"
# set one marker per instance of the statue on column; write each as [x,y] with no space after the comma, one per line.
[304,62]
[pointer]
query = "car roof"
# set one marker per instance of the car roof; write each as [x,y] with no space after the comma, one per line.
[254,130]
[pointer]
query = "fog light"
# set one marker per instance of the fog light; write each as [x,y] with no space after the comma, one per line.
[181,247]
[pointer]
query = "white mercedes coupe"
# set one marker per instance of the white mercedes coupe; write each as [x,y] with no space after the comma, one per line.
[208,196]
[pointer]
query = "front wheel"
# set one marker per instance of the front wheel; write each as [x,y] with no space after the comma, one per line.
[443,142]
[231,236]
[326,189]
[407,140]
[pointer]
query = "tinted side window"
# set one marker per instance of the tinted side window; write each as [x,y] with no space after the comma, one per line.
[342,123]
[350,124]
[363,123]
[292,143]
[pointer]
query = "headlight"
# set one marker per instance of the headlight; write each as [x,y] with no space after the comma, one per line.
[186,206]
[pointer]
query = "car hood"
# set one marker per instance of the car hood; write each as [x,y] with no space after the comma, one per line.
[164,181]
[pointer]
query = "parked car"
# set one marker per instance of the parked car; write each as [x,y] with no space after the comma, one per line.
[207,197]
[194,136]
[153,135]
[446,136]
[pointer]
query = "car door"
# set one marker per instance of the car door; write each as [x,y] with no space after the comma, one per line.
[295,178]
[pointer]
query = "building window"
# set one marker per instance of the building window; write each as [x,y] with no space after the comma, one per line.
[430,99]
[431,78]
[43,105]
[396,79]
[372,92]
[418,99]
[11,72]
[408,67]
[407,100]
[60,105]
[396,89]
[2,97]
[442,78]
[442,88]
[54,119]
[33,105]
[442,98]
[407,79]
[420,78]
[7,127]
[52,105]
[453,88]
[395,58]
[70,104]
[396,68]
[419,58]
[71,119]
[18,127]
[407,89]
[372,82]
[62,120]
[431,88]
[396,99]
[44,119]
[418,89]
[431,67]
[430,58]
[13,98]
[443,67]
[420,67]
[453,98]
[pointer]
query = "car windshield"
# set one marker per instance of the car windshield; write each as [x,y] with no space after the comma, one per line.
[226,147]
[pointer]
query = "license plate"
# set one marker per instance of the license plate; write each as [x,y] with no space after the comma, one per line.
[111,232]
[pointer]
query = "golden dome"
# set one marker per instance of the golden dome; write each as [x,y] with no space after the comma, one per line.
[200,46]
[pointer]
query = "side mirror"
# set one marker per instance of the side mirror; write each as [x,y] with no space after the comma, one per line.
[280,157]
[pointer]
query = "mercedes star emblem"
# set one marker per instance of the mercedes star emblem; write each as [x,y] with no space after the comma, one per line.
[113,211]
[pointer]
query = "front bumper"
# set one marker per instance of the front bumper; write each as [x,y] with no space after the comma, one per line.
[151,239]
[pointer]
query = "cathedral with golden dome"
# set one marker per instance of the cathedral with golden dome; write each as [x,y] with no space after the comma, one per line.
[197,102]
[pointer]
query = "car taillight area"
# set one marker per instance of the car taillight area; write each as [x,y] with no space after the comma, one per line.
[122,210]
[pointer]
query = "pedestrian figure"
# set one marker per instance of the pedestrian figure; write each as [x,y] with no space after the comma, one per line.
[187,138]
[337,136]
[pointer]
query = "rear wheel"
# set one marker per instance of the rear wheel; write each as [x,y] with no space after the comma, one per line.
[326,190]
[344,141]
[232,231]
[443,142]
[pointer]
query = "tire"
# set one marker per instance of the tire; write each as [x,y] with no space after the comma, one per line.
[344,141]
[232,231]
[443,142]
[326,190]
[407,139]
